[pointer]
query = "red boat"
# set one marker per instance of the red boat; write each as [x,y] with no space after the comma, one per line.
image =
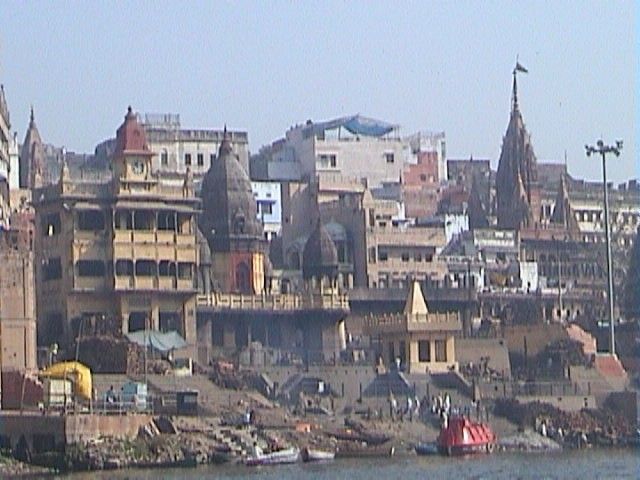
[462,436]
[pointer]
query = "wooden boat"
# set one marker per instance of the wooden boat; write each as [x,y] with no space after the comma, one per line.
[316,455]
[370,438]
[279,457]
[351,450]
[462,436]
[427,448]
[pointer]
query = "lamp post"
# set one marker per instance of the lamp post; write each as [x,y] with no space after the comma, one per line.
[603,149]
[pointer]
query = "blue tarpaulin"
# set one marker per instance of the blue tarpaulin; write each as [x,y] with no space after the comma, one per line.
[357,125]
[162,342]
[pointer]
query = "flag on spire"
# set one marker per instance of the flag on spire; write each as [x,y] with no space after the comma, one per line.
[520,68]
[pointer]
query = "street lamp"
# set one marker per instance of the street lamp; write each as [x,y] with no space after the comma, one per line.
[603,149]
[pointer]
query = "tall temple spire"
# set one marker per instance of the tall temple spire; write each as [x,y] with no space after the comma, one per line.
[32,117]
[517,177]
[514,93]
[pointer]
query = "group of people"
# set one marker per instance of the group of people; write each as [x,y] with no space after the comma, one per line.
[411,410]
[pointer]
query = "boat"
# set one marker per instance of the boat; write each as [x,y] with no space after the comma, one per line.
[354,450]
[279,457]
[427,448]
[462,436]
[316,455]
[370,438]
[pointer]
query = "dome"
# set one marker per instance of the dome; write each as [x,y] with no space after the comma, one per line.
[229,217]
[336,231]
[320,257]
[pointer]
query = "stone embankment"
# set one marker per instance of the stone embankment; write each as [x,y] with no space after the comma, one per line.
[12,468]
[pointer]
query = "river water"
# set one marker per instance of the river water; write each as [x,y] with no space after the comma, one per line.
[580,464]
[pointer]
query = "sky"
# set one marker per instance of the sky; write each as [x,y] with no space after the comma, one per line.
[267,65]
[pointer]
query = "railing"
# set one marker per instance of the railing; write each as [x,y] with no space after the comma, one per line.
[419,322]
[238,301]
[535,389]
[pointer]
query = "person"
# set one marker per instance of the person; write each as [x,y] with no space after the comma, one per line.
[393,407]
[111,395]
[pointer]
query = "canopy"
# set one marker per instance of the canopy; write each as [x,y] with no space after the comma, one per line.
[357,125]
[76,372]
[162,342]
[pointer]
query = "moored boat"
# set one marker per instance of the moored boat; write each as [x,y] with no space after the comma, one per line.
[351,450]
[462,436]
[427,448]
[279,457]
[317,455]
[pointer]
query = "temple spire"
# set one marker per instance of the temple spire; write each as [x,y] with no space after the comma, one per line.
[32,118]
[514,93]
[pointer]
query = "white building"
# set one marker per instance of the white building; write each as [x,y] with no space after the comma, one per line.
[269,202]
[344,149]
[5,141]
[177,148]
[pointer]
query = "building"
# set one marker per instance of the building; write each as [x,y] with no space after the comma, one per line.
[343,150]
[177,148]
[230,223]
[416,339]
[271,328]
[117,246]
[6,144]
[17,308]
[33,168]
[517,189]
[269,206]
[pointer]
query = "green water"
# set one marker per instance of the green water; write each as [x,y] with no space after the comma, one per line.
[584,464]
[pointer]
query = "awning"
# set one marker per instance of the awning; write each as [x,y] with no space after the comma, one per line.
[357,125]
[160,341]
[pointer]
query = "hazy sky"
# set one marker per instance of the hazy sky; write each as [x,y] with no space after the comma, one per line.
[263,66]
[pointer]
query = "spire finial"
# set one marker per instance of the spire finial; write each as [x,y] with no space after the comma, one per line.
[516,69]
[32,117]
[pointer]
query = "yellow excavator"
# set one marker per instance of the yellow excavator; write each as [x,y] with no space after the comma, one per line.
[77,373]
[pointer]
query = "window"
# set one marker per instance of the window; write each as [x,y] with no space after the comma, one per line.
[212,158]
[145,268]
[389,157]
[90,268]
[441,350]
[90,220]
[185,270]
[328,160]
[52,269]
[187,159]
[124,267]
[405,257]
[164,158]
[383,256]
[424,351]
[200,159]
[423,177]
[166,268]
[266,208]
[418,257]
[167,221]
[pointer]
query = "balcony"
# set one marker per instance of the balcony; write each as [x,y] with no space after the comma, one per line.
[277,302]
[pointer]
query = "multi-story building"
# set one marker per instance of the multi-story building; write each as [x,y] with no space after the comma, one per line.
[5,157]
[269,203]
[177,148]
[17,307]
[345,149]
[120,244]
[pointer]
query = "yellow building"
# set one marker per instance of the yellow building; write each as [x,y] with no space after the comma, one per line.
[120,246]
[421,341]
